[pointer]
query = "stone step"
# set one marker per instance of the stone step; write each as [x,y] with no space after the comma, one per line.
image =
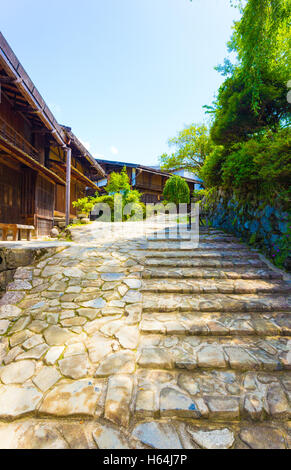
[209,286]
[199,352]
[205,262]
[216,324]
[189,254]
[215,302]
[189,245]
[215,395]
[184,235]
[201,273]
[155,434]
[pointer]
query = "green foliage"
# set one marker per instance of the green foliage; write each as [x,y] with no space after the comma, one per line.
[119,195]
[176,190]
[84,205]
[252,114]
[254,95]
[192,144]
[118,182]
[260,165]
[262,40]
[198,194]
[211,171]
[253,239]
[235,117]
[282,253]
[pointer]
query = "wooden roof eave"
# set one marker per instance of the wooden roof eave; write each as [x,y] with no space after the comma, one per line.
[167,174]
[84,152]
[21,80]
[23,157]
[84,178]
[77,174]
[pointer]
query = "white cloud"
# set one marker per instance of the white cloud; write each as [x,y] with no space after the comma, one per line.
[114,150]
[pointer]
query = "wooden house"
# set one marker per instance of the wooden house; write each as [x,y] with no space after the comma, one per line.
[149,181]
[35,178]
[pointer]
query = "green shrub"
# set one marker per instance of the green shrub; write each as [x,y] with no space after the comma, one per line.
[176,190]
[210,173]
[198,194]
[259,167]
[262,164]
[84,205]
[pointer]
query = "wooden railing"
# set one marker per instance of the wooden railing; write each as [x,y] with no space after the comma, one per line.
[15,138]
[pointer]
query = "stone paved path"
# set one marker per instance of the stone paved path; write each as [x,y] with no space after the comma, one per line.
[122,341]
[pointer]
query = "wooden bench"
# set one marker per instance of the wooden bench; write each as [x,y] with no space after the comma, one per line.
[16,231]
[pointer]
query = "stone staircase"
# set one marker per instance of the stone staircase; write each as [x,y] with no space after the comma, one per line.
[215,343]
[122,341]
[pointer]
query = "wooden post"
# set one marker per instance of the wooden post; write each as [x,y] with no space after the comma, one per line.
[68,185]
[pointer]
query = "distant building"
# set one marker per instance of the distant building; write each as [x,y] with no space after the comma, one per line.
[148,180]
[188,175]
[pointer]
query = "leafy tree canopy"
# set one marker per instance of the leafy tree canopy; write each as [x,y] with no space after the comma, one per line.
[176,190]
[192,144]
[254,96]
[118,182]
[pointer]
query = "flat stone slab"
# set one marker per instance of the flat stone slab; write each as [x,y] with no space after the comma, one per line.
[9,312]
[264,437]
[96,303]
[56,336]
[18,372]
[46,378]
[122,362]
[71,399]
[106,437]
[175,403]
[31,435]
[53,355]
[75,367]
[118,399]
[213,439]
[4,325]
[157,435]
[18,401]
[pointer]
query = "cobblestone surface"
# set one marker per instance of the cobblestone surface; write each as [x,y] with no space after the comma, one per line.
[126,341]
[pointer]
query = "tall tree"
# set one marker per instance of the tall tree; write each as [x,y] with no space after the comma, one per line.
[254,96]
[192,144]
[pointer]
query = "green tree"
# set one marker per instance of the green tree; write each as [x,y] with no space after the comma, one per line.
[176,190]
[118,182]
[192,144]
[254,95]
[119,194]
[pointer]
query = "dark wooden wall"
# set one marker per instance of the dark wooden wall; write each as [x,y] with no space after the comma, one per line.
[78,190]
[44,202]
[10,195]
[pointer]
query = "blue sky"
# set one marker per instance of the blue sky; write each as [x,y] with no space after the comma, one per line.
[126,75]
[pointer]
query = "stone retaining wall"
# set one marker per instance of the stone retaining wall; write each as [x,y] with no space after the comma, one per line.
[262,225]
[13,258]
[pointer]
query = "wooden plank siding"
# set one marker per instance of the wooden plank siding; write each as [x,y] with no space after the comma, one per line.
[10,190]
[45,203]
